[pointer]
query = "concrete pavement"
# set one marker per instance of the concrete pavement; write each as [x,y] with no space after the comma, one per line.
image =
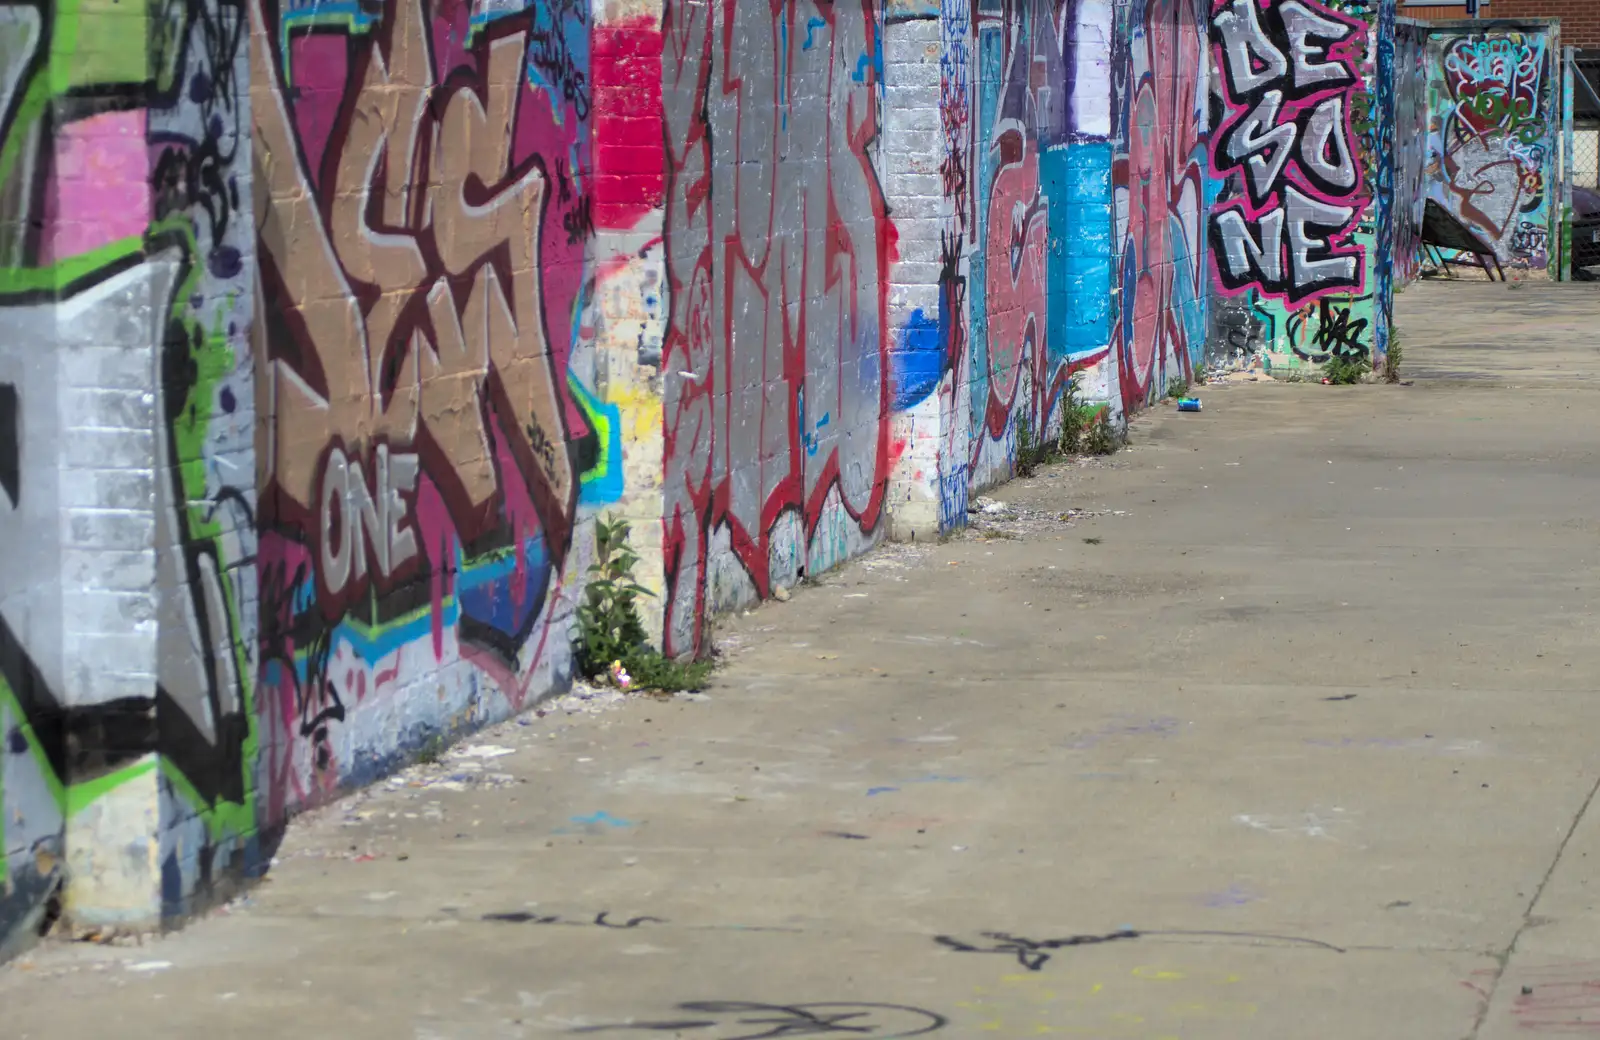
[1290,733]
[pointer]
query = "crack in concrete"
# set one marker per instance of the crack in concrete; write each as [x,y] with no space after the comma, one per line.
[1503,958]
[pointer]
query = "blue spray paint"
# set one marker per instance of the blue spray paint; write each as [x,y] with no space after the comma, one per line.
[919,361]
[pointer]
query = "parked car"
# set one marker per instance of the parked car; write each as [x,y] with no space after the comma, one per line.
[1585,232]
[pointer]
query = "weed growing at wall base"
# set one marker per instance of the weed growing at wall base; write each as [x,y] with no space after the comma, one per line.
[1344,371]
[1086,428]
[1030,449]
[609,629]
[1392,359]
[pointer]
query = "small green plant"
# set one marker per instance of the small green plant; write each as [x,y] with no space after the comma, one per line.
[609,632]
[1344,370]
[651,670]
[1026,448]
[432,750]
[1032,450]
[1393,358]
[1101,437]
[1085,428]
[1072,418]
[1076,416]
[1177,388]
[609,628]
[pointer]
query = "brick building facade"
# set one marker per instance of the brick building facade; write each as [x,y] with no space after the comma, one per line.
[1580,19]
[1432,11]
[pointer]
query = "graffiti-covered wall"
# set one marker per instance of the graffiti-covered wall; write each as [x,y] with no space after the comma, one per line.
[619,381]
[1040,262]
[1296,146]
[295,431]
[1494,119]
[127,491]
[778,243]
[333,327]
[998,179]
[1162,196]
[1407,199]
[424,207]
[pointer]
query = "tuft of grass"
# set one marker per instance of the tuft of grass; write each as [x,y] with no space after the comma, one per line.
[1030,450]
[1085,428]
[1343,370]
[655,671]
[1091,541]
[1100,438]
[1392,359]
[1177,388]
[432,750]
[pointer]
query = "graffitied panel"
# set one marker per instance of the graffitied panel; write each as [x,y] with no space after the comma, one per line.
[924,103]
[625,319]
[958,129]
[1493,118]
[1075,174]
[89,270]
[1161,196]
[1002,289]
[32,804]
[1296,145]
[205,522]
[778,243]
[1409,197]
[1039,265]
[423,209]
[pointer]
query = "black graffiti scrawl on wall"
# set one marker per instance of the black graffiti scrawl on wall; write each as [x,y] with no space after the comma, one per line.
[1289,73]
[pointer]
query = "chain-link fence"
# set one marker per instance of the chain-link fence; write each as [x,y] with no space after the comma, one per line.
[1586,120]
[1582,234]
[1585,155]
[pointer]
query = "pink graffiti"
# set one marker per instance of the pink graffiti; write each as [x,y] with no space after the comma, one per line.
[99,188]
[1289,75]
[1018,238]
[628,177]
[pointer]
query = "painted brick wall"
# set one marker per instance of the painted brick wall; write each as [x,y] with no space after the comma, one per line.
[779,243]
[627,308]
[125,681]
[914,157]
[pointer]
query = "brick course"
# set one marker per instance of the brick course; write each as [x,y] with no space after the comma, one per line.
[1580,19]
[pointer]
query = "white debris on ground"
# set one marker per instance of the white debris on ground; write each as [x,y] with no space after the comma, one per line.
[472,764]
[475,764]
[991,519]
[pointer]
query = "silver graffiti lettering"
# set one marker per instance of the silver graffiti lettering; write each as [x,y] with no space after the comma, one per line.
[1287,149]
[1302,25]
[1254,135]
[1247,257]
[1246,44]
[358,523]
[1305,212]
[1325,131]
